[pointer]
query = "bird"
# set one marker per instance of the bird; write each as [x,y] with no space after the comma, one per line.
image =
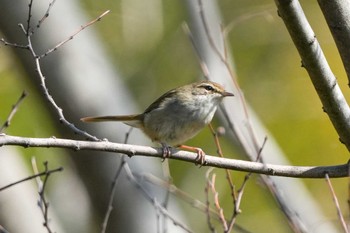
[176,116]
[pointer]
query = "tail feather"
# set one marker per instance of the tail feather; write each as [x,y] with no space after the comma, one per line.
[132,120]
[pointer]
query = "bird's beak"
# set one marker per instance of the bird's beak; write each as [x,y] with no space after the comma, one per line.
[225,93]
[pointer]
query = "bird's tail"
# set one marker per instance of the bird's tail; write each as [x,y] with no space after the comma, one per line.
[132,120]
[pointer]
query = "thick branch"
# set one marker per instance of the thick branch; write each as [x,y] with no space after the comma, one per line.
[337,15]
[316,65]
[132,150]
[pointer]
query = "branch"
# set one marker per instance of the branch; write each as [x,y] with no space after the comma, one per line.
[159,208]
[313,59]
[213,161]
[337,15]
[42,202]
[13,111]
[71,37]
[336,203]
[44,173]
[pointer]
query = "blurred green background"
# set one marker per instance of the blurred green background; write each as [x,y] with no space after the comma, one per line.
[154,54]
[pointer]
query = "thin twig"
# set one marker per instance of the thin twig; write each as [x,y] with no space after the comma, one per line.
[112,195]
[266,11]
[217,202]
[179,193]
[203,66]
[74,34]
[336,203]
[47,13]
[114,187]
[27,31]
[240,191]
[43,203]
[13,111]
[15,45]
[207,202]
[153,200]
[227,65]
[44,173]
[228,174]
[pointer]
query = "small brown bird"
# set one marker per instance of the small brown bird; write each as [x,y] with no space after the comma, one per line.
[177,115]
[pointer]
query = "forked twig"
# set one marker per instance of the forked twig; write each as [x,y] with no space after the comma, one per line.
[44,173]
[153,200]
[42,202]
[29,32]
[240,191]
[211,183]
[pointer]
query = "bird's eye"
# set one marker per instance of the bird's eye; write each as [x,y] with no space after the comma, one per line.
[208,88]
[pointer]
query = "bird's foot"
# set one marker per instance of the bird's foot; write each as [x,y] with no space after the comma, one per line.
[200,159]
[166,151]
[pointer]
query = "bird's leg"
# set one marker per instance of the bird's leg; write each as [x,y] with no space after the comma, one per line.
[200,153]
[166,151]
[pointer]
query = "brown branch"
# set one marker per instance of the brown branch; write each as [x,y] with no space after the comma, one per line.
[74,34]
[220,153]
[335,200]
[212,161]
[240,191]
[220,210]
[207,202]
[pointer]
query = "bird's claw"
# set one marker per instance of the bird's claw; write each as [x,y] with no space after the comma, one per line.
[200,157]
[166,151]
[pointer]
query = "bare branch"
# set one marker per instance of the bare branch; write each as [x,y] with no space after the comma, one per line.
[220,153]
[335,199]
[213,161]
[32,177]
[27,31]
[211,185]
[315,63]
[153,200]
[74,34]
[43,203]
[13,111]
[112,195]
[337,15]
[19,46]
[37,58]
[3,230]
[47,13]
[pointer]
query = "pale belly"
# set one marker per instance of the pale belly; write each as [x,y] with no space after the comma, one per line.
[176,126]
